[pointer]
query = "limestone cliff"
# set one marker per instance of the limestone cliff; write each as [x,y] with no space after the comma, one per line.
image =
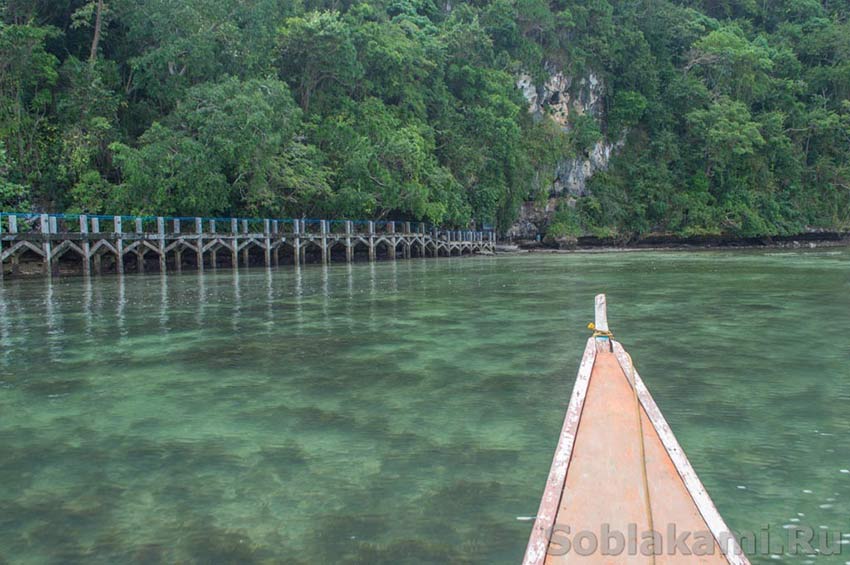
[559,98]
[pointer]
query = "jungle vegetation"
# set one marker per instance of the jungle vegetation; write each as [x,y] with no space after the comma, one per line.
[734,114]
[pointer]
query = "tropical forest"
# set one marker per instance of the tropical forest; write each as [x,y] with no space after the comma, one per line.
[718,116]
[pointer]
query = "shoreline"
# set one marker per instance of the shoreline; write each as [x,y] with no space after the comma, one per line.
[670,243]
[32,269]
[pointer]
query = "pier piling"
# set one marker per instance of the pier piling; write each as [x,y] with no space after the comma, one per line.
[50,238]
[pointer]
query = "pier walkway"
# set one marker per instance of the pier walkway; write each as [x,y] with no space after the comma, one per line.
[83,244]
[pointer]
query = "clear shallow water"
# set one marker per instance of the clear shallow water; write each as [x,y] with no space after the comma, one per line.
[405,412]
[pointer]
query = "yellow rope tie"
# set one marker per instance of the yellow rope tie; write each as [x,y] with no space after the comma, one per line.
[631,378]
[599,333]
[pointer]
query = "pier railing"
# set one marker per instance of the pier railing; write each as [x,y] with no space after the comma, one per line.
[86,243]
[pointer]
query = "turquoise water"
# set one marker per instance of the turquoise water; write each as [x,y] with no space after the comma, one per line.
[401,413]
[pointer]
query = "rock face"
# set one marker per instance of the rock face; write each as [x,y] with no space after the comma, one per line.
[558,98]
[533,219]
[571,175]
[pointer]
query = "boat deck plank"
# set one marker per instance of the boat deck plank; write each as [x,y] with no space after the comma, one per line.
[619,471]
[604,487]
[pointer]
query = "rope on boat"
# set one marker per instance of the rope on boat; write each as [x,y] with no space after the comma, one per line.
[631,378]
[599,333]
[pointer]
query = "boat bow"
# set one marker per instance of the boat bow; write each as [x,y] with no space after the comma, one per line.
[618,470]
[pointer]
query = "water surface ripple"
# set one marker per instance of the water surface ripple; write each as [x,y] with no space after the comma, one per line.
[400,413]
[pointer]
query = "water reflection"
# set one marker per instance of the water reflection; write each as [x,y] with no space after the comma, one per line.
[202,298]
[349,293]
[298,298]
[274,415]
[371,299]
[88,306]
[373,282]
[54,321]
[164,307]
[269,300]
[121,304]
[5,326]
[235,315]
[349,280]
[394,277]
[325,297]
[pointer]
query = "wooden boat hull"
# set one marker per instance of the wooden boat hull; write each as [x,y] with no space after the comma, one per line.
[619,471]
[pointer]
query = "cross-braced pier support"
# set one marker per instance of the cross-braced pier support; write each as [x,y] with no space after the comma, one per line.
[101,244]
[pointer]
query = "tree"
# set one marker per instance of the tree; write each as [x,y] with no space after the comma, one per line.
[169,174]
[87,123]
[27,76]
[726,131]
[728,115]
[13,196]
[242,134]
[628,108]
[97,11]
[314,51]
[731,65]
[383,164]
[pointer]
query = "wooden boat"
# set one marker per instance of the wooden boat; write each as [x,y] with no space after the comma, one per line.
[619,471]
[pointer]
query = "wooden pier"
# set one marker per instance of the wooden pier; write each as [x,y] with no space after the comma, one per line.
[117,244]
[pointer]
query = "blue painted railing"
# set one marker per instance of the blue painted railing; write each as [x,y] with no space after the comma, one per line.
[61,219]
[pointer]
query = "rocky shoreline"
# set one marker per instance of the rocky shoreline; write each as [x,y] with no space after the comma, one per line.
[659,242]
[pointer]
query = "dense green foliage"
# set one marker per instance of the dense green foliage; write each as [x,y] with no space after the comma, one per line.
[735,114]
[746,127]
